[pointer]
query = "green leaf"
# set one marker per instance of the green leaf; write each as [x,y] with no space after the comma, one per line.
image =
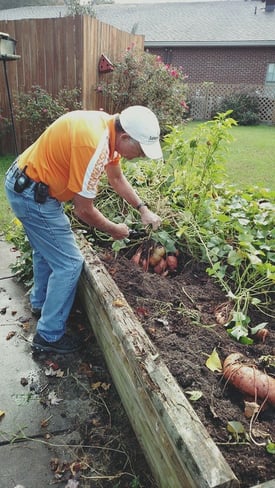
[258,327]
[238,331]
[213,362]
[270,447]
[194,395]
[236,428]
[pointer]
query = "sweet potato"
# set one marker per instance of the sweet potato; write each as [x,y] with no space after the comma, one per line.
[248,379]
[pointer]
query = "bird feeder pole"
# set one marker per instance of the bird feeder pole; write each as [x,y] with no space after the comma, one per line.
[7,53]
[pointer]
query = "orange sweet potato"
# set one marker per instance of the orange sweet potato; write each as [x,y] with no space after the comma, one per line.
[248,379]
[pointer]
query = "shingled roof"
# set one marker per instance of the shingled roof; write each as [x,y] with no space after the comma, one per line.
[205,23]
[192,24]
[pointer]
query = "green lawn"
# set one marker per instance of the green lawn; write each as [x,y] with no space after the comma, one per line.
[5,213]
[251,156]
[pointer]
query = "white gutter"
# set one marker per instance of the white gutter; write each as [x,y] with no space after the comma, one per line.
[248,43]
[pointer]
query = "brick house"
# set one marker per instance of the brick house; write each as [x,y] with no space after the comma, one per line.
[224,46]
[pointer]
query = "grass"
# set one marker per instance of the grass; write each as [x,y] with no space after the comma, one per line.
[250,158]
[5,213]
[250,161]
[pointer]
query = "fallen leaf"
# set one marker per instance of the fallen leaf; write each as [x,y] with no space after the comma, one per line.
[250,408]
[44,423]
[96,385]
[119,302]
[51,364]
[213,362]
[26,326]
[53,398]
[54,372]
[2,413]
[194,395]
[142,312]
[10,335]
[85,369]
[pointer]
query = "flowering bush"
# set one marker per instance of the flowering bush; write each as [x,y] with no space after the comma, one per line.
[141,78]
[37,109]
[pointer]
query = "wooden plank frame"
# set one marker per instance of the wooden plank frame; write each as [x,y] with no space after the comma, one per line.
[178,448]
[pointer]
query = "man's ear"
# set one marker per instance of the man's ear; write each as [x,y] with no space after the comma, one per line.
[125,136]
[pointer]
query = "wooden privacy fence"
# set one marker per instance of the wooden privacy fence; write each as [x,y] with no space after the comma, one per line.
[205,99]
[59,53]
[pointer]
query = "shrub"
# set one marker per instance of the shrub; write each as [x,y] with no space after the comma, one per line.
[244,106]
[37,109]
[5,127]
[141,78]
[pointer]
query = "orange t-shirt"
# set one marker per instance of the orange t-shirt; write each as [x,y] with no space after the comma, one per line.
[71,155]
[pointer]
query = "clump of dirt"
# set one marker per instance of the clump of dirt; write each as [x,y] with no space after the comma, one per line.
[179,313]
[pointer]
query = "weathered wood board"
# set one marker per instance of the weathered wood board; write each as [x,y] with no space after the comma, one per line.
[179,450]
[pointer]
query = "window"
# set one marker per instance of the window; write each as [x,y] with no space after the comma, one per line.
[270,74]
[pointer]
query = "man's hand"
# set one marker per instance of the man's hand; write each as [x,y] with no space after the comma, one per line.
[119,231]
[150,218]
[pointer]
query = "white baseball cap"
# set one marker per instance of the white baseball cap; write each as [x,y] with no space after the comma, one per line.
[142,125]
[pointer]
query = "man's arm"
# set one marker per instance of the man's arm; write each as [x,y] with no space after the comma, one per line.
[122,186]
[85,210]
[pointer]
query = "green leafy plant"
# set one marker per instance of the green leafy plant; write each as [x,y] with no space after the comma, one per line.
[23,265]
[141,78]
[231,230]
[76,7]
[37,109]
[245,107]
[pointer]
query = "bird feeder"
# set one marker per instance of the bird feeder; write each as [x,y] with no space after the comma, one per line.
[7,47]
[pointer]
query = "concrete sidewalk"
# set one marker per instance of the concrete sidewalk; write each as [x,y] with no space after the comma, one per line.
[33,418]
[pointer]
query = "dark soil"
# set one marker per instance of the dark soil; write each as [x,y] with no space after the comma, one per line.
[179,314]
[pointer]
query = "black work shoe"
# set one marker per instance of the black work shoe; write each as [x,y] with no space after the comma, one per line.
[65,345]
[36,312]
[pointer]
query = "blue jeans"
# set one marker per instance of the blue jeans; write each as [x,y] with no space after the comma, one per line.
[57,260]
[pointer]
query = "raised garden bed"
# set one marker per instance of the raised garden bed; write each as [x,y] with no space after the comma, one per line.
[178,447]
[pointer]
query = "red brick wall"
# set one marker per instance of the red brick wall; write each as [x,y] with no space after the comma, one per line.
[220,64]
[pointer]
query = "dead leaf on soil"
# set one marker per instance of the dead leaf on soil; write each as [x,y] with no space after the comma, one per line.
[250,409]
[118,302]
[85,369]
[2,413]
[222,313]
[99,384]
[213,362]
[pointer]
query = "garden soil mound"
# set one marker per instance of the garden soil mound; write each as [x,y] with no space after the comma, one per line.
[179,314]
